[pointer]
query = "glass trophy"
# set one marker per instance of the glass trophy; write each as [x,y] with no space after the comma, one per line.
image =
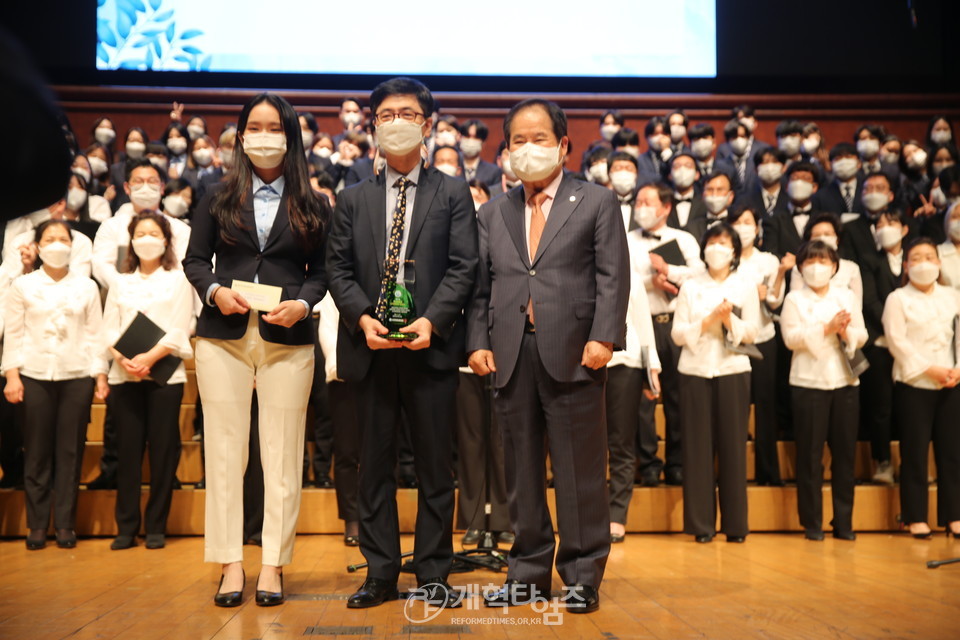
[400,310]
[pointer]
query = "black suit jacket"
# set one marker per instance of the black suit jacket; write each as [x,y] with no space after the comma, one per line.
[201,184]
[488,173]
[878,283]
[830,198]
[780,234]
[696,221]
[283,262]
[756,202]
[443,243]
[361,169]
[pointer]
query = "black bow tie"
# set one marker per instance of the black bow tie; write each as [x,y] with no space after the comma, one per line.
[801,212]
[687,199]
[650,234]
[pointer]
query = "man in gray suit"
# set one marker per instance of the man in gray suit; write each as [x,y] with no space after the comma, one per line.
[548,310]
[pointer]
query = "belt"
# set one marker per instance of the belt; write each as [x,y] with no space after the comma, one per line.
[663,318]
[528,326]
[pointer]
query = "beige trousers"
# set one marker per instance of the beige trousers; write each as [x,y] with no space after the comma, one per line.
[226,373]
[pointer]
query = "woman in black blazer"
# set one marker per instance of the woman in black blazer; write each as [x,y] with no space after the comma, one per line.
[262,225]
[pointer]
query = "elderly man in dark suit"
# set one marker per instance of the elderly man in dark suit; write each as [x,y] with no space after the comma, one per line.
[407,224]
[549,308]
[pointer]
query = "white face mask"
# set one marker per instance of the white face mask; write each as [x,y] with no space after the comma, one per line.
[177,145]
[55,255]
[749,123]
[888,237]
[800,190]
[718,256]
[159,163]
[830,241]
[683,177]
[351,119]
[937,198]
[449,169]
[702,148]
[399,137]
[83,173]
[532,162]
[598,173]
[145,196]
[845,168]
[817,275]
[446,139]
[875,201]
[940,136]
[739,146]
[647,217]
[307,137]
[149,247]
[135,150]
[770,172]
[76,198]
[889,157]
[623,182]
[507,169]
[175,205]
[104,136]
[923,274]
[677,132]
[470,147]
[607,131]
[811,145]
[918,160]
[655,143]
[322,152]
[953,229]
[747,233]
[716,204]
[634,151]
[195,131]
[790,145]
[97,165]
[868,149]
[203,157]
[266,150]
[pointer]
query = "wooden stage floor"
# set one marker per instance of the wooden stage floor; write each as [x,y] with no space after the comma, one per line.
[656,586]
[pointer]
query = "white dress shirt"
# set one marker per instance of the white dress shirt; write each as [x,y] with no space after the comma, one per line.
[659,301]
[847,276]
[949,264]
[919,328]
[704,354]
[166,298]
[639,322]
[817,361]
[99,208]
[52,327]
[113,240]
[800,216]
[327,331]
[762,268]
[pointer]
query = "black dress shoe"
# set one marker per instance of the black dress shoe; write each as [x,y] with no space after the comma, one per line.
[407,482]
[103,482]
[255,540]
[202,484]
[230,598]
[123,542]
[156,541]
[813,534]
[737,539]
[845,535]
[66,538]
[616,538]
[373,592]
[650,479]
[472,536]
[351,541]
[269,598]
[673,476]
[437,592]
[580,598]
[36,539]
[507,537]
[10,482]
[515,593]
[704,539]
[325,483]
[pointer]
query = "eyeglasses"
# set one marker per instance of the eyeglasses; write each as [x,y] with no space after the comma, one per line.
[139,182]
[385,117]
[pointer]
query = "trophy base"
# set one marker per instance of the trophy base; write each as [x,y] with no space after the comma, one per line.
[397,335]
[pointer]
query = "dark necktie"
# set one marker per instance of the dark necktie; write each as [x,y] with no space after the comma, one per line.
[848,197]
[392,263]
[741,168]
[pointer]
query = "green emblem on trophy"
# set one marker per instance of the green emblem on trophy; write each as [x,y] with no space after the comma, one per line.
[400,310]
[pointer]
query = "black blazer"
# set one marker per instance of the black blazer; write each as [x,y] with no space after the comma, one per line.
[361,169]
[201,184]
[780,234]
[283,263]
[830,198]
[878,283]
[696,221]
[442,241]
[488,173]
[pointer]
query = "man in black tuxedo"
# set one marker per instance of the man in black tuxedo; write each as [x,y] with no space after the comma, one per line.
[783,231]
[688,212]
[408,224]
[842,194]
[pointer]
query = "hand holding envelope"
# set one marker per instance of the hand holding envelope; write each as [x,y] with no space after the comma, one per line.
[247,296]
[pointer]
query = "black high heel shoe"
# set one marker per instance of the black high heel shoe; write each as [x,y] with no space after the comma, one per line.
[270,598]
[230,598]
[951,533]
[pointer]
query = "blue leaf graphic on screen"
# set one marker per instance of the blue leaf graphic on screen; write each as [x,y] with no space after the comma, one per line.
[142,34]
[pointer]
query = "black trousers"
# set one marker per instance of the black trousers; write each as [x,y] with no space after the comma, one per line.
[109,454]
[321,431]
[535,412]
[54,432]
[253,479]
[876,400]
[714,421]
[927,416]
[11,442]
[346,448]
[623,394]
[146,414]
[825,417]
[478,436]
[399,378]
[763,392]
[669,354]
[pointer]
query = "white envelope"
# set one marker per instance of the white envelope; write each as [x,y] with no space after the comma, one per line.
[260,297]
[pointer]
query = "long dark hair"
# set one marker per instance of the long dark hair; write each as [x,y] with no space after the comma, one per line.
[308,213]
[168,261]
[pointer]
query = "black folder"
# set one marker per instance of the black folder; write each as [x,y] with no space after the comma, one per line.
[671,254]
[141,336]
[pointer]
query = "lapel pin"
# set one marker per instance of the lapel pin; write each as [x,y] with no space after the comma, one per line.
[573,198]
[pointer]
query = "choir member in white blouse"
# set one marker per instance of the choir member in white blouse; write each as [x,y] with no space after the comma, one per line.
[822,324]
[769,276]
[920,325]
[825,227]
[147,411]
[52,322]
[950,250]
[717,313]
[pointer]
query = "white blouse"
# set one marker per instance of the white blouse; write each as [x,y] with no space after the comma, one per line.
[949,264]
[762,268]
[847,275]
[639,322]
[327,330]
[818,362]
[52,327]
[704,354]
[920,332]
[166,298]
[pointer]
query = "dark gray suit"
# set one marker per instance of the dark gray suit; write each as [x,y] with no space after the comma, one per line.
[579,283]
